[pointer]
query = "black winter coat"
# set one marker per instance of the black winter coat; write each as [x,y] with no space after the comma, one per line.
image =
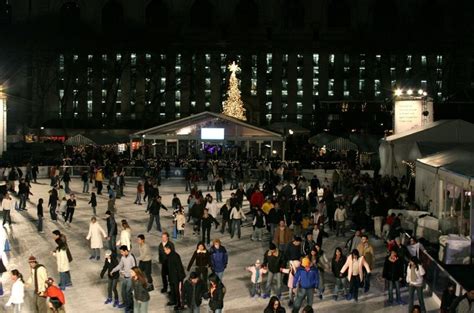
[162,257]
[392,271]
[216,300]
[336,266]
[108,267]
[176,272]
[200,290]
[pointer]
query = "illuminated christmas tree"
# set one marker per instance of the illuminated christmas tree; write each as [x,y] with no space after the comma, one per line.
[234,106]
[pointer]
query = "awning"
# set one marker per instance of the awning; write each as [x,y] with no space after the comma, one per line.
[341,144]
[79,140]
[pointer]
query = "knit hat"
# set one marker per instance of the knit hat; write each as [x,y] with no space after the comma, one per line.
[32,259]
[272,246]
[305,262]
[49,281]
[108,253]
[257,262]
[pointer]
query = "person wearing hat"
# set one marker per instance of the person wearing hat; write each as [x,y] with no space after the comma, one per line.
[193,291]
[55,297]
[38,275]
[273,261]
[257,277]
[306,280]
[109,264]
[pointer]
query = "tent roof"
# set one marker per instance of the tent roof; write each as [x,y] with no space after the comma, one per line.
[79,140]
[209,119]
[341,144]
[457,160]
[439,131]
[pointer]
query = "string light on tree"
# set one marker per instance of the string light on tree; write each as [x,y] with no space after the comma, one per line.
[233,105]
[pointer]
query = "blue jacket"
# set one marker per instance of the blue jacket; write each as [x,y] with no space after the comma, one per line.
[218,259]
[306,279]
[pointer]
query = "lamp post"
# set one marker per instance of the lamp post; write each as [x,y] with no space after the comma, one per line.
[3,121]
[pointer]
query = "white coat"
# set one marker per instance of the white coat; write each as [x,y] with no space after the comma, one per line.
[125,238]
[348,266]
[62,260]
[17,295]
[96,233]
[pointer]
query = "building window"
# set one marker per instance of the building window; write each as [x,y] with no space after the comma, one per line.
[331,59]
[346,88]
[361,85]
[315,74]
[423,60]
[331,87]
[253,79]
[377,87]
[439,60]
[268,117]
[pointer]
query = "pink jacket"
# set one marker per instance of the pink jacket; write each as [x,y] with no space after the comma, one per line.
[348,266]
[294,265]
[253,270]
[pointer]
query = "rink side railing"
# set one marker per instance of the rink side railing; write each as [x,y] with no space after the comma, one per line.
[437,277]
[178,172]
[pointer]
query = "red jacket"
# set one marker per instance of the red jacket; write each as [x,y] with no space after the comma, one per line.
[55,292]
[256,200]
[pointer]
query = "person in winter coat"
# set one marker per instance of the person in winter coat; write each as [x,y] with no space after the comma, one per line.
[3,268]
[53,204]
[140,291]
[219,258]
[93,203]
[193,291]
[322,264]
[225,212]
[17,294]
[354,265]
[306,280]
[340,217]
[414,278]
[448,297]
[393,274]
[163,259]
[203,260]
[206,223]
[125,238]
[291,270]
[337,262]
[176,277]
[154,211]
[273,261]
[259,223]
[109,264]
[111,231]
[140,190]
[62,263]
[95,235]
[274,306]
[282,236]
[236,215]
[218,187]
[256,278]
[464,303]
[180,222]
[308,244]
[293,250]
[367,251]
[215,294]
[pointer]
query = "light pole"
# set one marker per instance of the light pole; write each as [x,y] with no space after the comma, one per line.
[3,121]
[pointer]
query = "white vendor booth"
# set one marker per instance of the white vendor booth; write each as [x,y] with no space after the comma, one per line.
[396,149]
[444,184]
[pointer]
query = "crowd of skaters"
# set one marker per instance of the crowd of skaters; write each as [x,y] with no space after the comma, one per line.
[282,211]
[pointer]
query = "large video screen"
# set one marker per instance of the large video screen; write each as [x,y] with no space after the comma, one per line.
[212,133]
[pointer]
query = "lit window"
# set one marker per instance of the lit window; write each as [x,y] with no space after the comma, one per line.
[75,57]
[439,59]
[90,57]
[423,60]
[315,59]
[133,59]
[178,115]
[177,104]
[284,92]
[346,87]
[269,106]
[177,95]
[193,104]
[299,83]
[104,57]
[361,84]
[268,117]
[331,87]
[409,57]
[346,59]
[162,114]
[299,117]
[118,57]
[423,84]
[331,59]
[148,57]
[61,93]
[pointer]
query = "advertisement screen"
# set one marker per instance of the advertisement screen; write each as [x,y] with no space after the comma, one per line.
[212,133]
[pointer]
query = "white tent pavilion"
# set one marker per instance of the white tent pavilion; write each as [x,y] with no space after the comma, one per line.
[188,134]
[399,148]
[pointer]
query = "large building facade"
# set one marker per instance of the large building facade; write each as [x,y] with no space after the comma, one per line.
[319,63]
